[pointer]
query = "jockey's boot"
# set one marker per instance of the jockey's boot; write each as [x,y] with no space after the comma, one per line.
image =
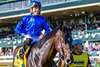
[25,45]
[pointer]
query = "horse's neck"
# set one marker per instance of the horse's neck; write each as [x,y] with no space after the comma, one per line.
[41,55]
[47,51]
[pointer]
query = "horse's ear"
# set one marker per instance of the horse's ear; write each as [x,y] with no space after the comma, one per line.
[58,25]
[72,26]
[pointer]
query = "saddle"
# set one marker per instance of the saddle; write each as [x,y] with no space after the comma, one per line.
[22,51]
[21,58]
[26,47]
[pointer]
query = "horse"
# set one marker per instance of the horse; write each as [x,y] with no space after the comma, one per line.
[44,51]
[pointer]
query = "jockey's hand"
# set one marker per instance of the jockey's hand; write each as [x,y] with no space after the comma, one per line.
[41,36]
[27,36]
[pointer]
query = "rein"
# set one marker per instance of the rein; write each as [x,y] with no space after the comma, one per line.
[62,56]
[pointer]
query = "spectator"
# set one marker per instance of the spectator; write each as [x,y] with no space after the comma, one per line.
[80,58]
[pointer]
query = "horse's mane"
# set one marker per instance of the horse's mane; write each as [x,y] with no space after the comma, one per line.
[45,38]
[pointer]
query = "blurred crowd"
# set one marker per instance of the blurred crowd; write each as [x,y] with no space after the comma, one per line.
[7,52]
[81,27]
[92,48]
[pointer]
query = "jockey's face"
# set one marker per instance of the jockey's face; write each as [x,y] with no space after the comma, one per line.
[35,10]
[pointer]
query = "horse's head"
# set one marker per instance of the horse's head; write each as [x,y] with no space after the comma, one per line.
[63,47]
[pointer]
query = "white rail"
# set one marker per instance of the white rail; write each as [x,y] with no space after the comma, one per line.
[6,59]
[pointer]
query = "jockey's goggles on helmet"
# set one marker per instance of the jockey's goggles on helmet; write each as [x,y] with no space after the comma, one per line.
[35,4]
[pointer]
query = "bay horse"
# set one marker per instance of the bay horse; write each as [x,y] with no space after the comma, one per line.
[44,51]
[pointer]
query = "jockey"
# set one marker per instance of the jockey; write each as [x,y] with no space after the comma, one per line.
[31,26]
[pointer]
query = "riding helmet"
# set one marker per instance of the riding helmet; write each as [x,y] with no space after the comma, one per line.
[34,3]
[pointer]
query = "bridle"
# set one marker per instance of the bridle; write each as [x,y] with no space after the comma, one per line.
[62,55]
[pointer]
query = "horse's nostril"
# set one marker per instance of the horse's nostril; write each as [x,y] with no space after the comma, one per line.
[68,60]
